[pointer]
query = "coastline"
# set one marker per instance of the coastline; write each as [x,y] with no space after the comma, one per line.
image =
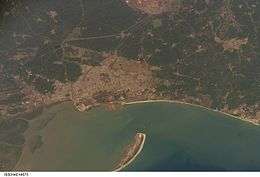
[135,155]
[32,115]
[190,104]
[129,102]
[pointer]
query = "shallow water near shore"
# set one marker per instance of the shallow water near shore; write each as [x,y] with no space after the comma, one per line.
[179,138]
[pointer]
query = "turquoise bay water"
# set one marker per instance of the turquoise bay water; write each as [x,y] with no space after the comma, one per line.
[179,138]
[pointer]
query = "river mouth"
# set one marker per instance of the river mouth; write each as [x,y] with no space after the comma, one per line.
[180,138]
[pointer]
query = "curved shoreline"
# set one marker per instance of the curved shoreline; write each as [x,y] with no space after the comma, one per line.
[141,102]
[190,104]
[136,154]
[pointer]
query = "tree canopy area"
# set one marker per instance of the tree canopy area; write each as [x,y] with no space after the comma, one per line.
[205,49]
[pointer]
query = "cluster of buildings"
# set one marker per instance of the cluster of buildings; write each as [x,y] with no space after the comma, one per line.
[146,2]
[151,6]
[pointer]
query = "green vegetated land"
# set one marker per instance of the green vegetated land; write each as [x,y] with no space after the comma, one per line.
[207,49]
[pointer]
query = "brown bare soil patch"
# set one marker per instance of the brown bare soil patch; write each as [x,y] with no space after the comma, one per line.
[232,44]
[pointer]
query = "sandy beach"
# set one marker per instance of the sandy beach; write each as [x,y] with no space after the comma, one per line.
[184,103]
[131,159]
